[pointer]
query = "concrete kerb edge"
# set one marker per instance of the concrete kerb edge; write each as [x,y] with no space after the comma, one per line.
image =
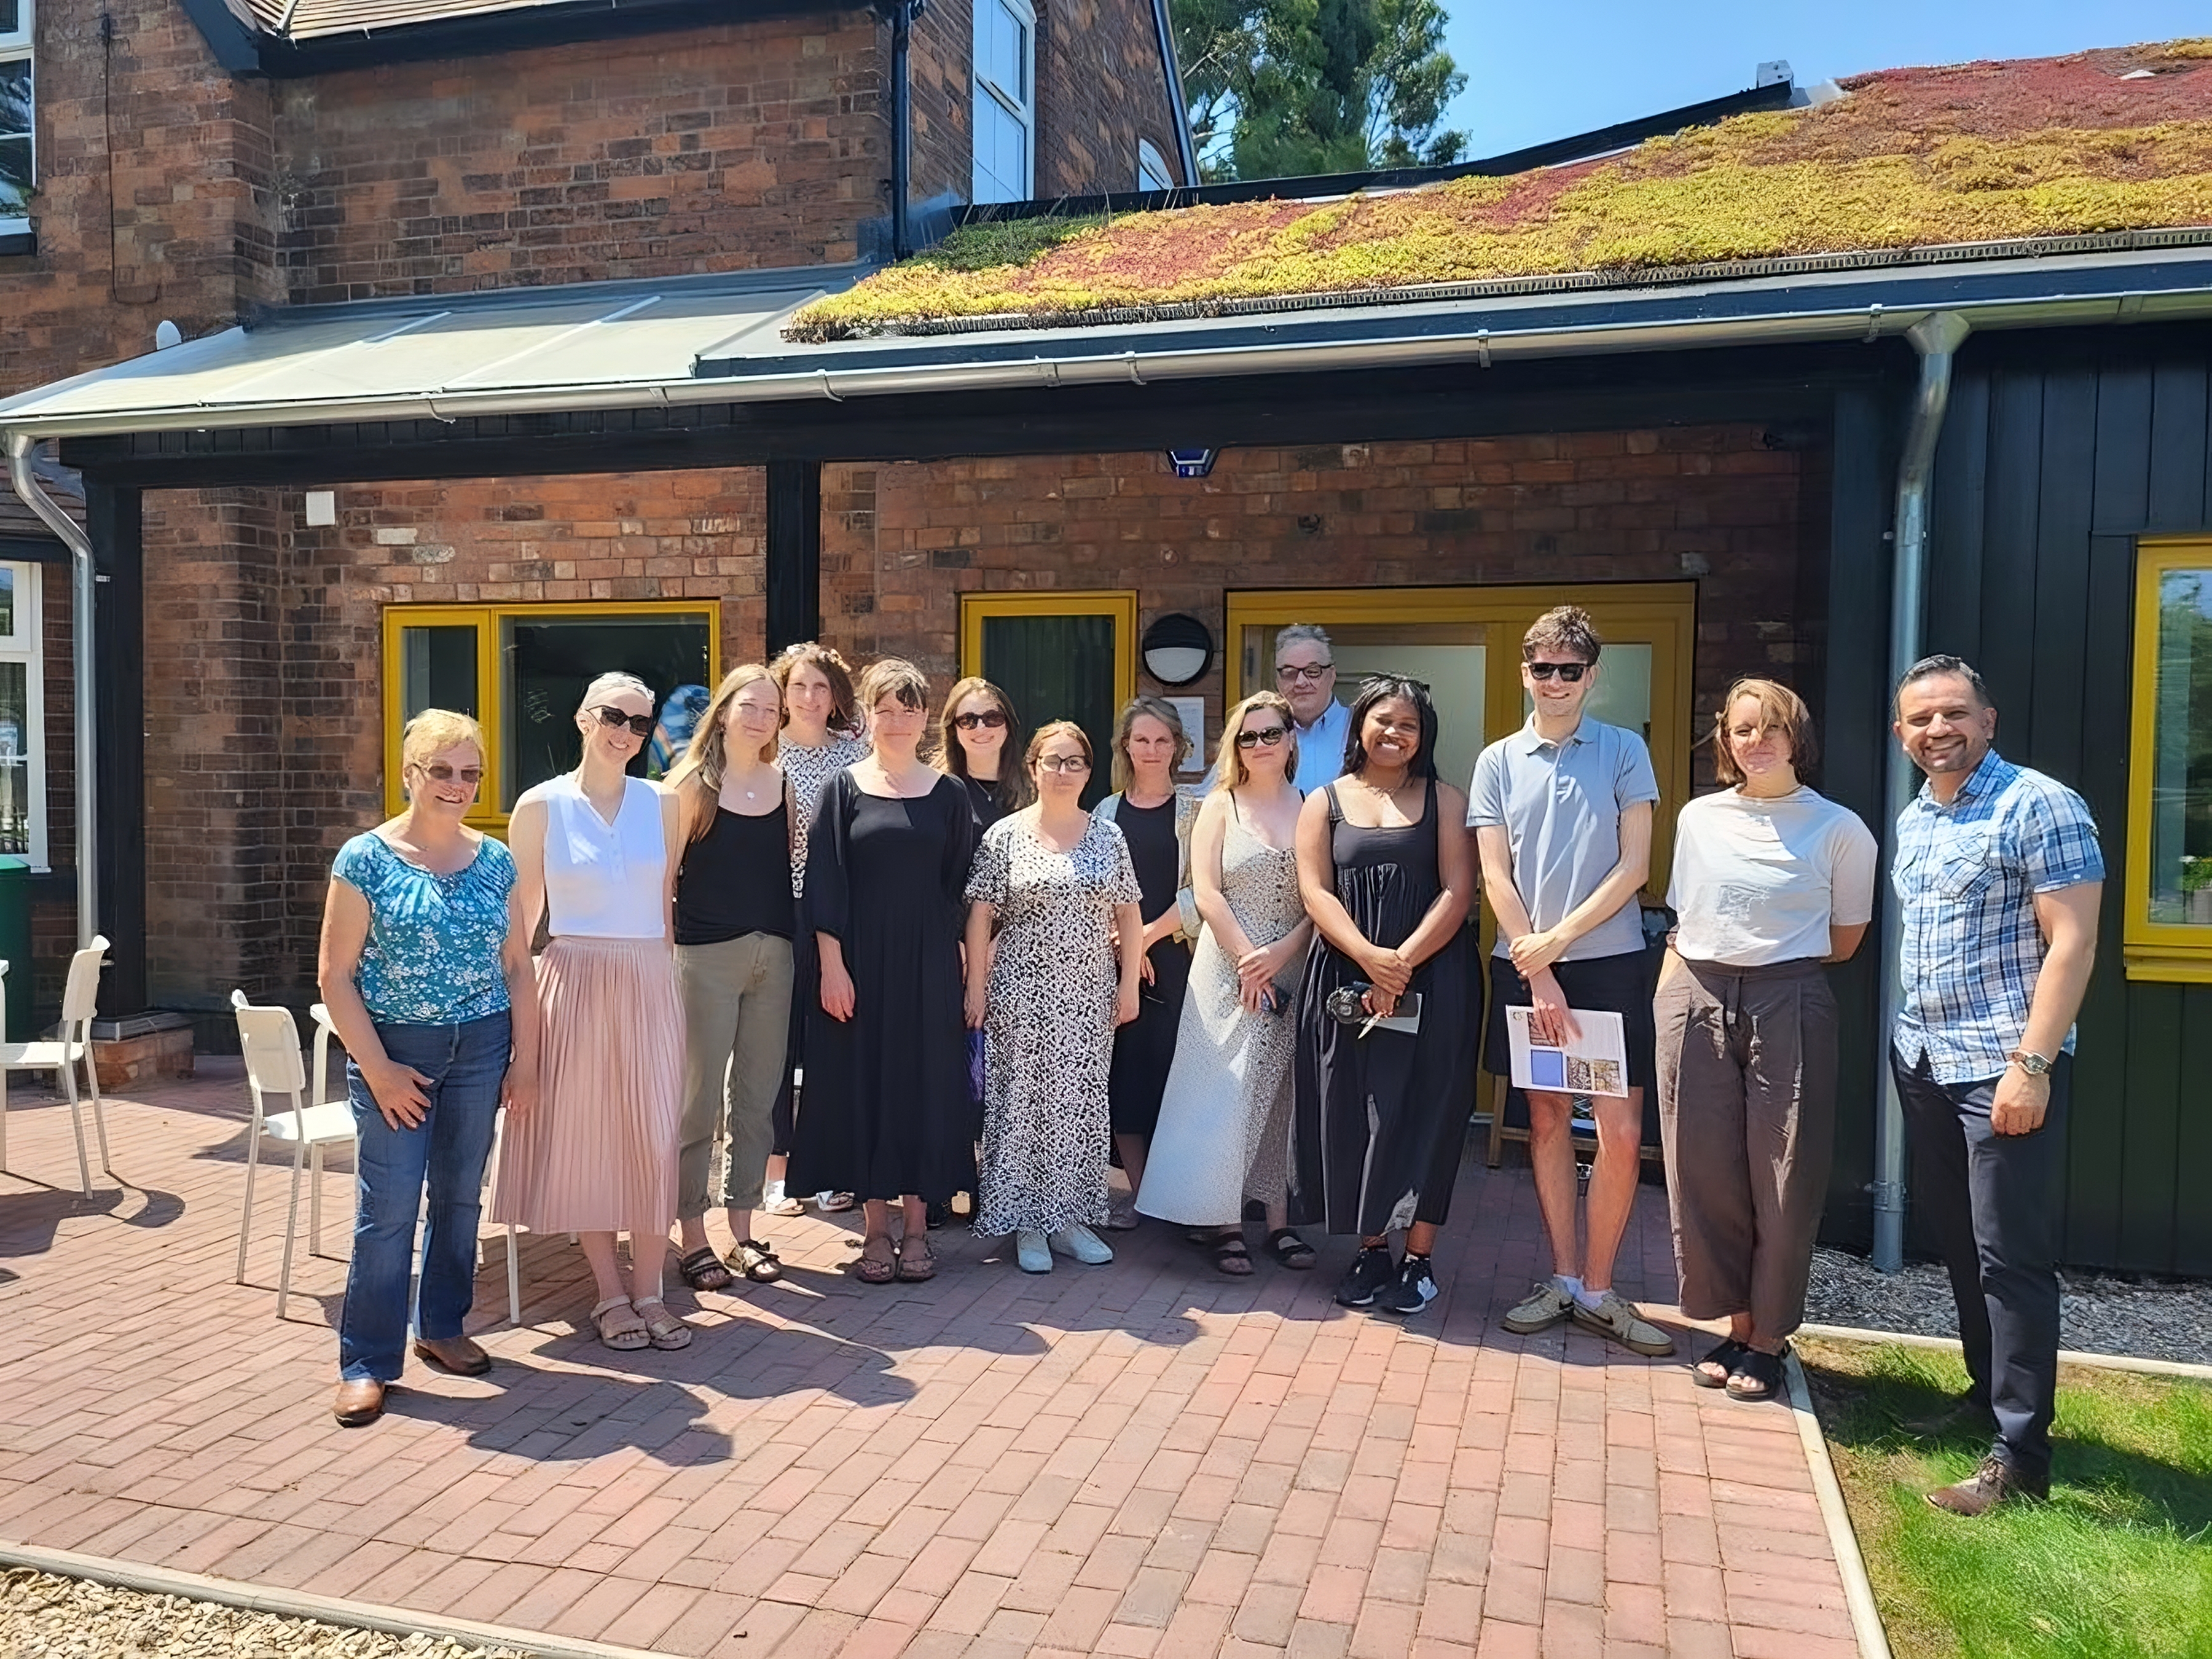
[1843,1538]
[2066,1356]
[301,1604]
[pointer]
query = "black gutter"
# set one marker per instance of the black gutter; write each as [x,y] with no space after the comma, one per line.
[240,49]
[1620,135]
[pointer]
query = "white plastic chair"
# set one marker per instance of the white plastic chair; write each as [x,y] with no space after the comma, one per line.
[80,995]
[269,1040]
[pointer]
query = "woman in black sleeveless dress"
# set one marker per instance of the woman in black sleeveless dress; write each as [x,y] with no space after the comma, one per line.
[1388,874]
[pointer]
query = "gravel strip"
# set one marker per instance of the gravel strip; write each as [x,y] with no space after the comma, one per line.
[43,1617]
[2135,1318]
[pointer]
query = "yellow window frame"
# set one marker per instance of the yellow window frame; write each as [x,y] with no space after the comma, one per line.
[1120,604]
[490,688]
[2154,951]
[1662,614]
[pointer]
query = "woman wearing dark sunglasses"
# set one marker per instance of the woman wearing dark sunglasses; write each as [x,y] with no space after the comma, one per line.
[1224,1129]
[596,852]
[425,966]
[977,736]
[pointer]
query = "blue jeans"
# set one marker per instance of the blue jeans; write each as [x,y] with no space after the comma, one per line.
[465,1065]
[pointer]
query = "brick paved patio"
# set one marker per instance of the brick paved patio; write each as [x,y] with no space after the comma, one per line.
[1143,1459]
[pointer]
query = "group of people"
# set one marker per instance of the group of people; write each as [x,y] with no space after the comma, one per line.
[1266,996]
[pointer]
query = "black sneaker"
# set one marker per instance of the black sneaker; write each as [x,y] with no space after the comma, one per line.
[1414,1289]
[1370,1270]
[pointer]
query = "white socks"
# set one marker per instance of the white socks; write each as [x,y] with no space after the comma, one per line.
[1574,1287]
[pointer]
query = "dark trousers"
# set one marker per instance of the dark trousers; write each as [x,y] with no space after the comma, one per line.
[1994,1201]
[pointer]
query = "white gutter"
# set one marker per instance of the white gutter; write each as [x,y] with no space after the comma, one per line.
[1937,339]
[83,587]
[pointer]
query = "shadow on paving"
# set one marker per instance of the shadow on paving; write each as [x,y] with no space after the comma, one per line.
[29,1220]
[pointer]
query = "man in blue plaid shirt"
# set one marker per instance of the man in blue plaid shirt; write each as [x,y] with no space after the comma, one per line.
[1999,875]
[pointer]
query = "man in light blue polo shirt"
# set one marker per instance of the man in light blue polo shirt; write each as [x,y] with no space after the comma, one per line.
[1305,673]
[1562,815]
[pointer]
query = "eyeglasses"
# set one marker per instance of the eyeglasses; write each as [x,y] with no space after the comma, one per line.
[990,719]
[1568,672]
[1063,763]
[439,772]
[1312,675]
[1270,736]
[610,715]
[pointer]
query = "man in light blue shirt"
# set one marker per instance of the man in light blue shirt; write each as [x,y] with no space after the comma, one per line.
[1561,812]
[1305,673]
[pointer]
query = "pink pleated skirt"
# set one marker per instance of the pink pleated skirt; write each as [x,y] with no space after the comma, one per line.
[597,1153]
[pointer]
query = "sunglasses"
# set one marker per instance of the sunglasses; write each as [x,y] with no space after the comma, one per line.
[991,720]
[1286,672]
[1269,735]
[439,772]
[1568,672]
[1063,763]
[610,716]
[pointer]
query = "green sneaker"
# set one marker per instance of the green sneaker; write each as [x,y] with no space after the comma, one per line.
[1618,1320]
[1546,1306]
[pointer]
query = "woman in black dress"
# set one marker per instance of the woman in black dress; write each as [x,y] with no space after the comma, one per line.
[1387,871]
[977,738]
[1149,744]
[887,1113]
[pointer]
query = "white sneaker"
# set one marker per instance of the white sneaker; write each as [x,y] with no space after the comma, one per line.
[1032,1253]
[1085,1246]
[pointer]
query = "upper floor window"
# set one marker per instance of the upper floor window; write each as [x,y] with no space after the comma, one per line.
[1152,173]
[1006,99]
[16,122]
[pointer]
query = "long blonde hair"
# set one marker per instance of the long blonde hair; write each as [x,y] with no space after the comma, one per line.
[698,778]
[1228,769]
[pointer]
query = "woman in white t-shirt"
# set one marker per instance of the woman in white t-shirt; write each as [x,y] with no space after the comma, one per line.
[1772,882]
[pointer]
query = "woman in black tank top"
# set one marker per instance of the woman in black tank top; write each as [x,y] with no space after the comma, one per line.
[734,921]
[1387,870]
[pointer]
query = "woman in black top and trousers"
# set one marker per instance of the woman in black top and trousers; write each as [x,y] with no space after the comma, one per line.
[734,921]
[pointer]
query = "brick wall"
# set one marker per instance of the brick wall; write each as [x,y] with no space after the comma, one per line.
[902,540]
[1100,88]
[265,730]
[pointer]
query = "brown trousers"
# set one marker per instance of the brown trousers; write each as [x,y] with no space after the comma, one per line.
[1748,1117]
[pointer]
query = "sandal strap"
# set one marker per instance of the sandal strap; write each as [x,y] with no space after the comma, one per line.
[1231,1244]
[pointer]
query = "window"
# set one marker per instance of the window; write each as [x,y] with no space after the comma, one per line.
[1006,99]
[521,670]
[23,716]
[16,177]
[1058,657]
[2169,870]
[1152,171]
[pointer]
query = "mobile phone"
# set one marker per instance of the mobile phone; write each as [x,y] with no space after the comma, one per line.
[1274,1000]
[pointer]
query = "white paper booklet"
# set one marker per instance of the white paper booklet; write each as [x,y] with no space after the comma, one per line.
[1594,1063]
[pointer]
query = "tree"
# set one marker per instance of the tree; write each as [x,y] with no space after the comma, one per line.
[1279,88]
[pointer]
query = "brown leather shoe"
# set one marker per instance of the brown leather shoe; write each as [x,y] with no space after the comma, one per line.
[458,1354]
[1993,1483]
[360,1401]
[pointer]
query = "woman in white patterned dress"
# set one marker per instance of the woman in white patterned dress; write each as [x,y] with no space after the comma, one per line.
[1051,889]
[1225,1128]
[820,718]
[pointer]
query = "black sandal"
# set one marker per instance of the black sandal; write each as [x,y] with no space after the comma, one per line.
[702,1270]
[1289,1251]
[1230,1257]
[1724,1355]
[1757,1376]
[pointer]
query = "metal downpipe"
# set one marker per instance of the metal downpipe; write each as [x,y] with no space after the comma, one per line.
[83,590]
[903,17]
[1937,339]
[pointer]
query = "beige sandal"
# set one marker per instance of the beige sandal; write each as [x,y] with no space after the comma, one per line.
[663,1328]
[619,1326]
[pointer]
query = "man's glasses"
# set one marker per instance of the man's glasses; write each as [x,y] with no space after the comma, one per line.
[1063,763]
[1312,675]
[439,772]
[991,720]
[1270,736]
[1568,672]
[610,716]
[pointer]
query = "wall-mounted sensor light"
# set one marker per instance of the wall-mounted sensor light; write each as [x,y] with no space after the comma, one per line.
[1177,649]
[1192,463]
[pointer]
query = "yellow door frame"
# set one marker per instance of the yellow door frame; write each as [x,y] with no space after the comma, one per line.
[1120,604]
[2152,950]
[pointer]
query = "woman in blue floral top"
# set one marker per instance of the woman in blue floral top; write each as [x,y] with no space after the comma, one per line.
[425,967]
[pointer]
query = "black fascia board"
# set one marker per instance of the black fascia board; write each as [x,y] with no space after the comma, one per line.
[34,550]
[244,50]
[1604,141]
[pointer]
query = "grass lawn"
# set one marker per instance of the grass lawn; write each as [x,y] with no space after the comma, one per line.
[2118,1563]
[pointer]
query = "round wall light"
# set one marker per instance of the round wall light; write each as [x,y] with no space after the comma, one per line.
[1177,649]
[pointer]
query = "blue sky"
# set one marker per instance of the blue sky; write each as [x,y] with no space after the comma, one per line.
[1550,70]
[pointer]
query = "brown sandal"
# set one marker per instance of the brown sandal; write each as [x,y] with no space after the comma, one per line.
[755,1260]
[916,1261]
[877,1269]
[1231,1256]
[619,1326]
[662,1328]
[702,1270]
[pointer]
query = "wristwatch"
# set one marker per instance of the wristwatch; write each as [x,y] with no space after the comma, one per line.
[2034,1065]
